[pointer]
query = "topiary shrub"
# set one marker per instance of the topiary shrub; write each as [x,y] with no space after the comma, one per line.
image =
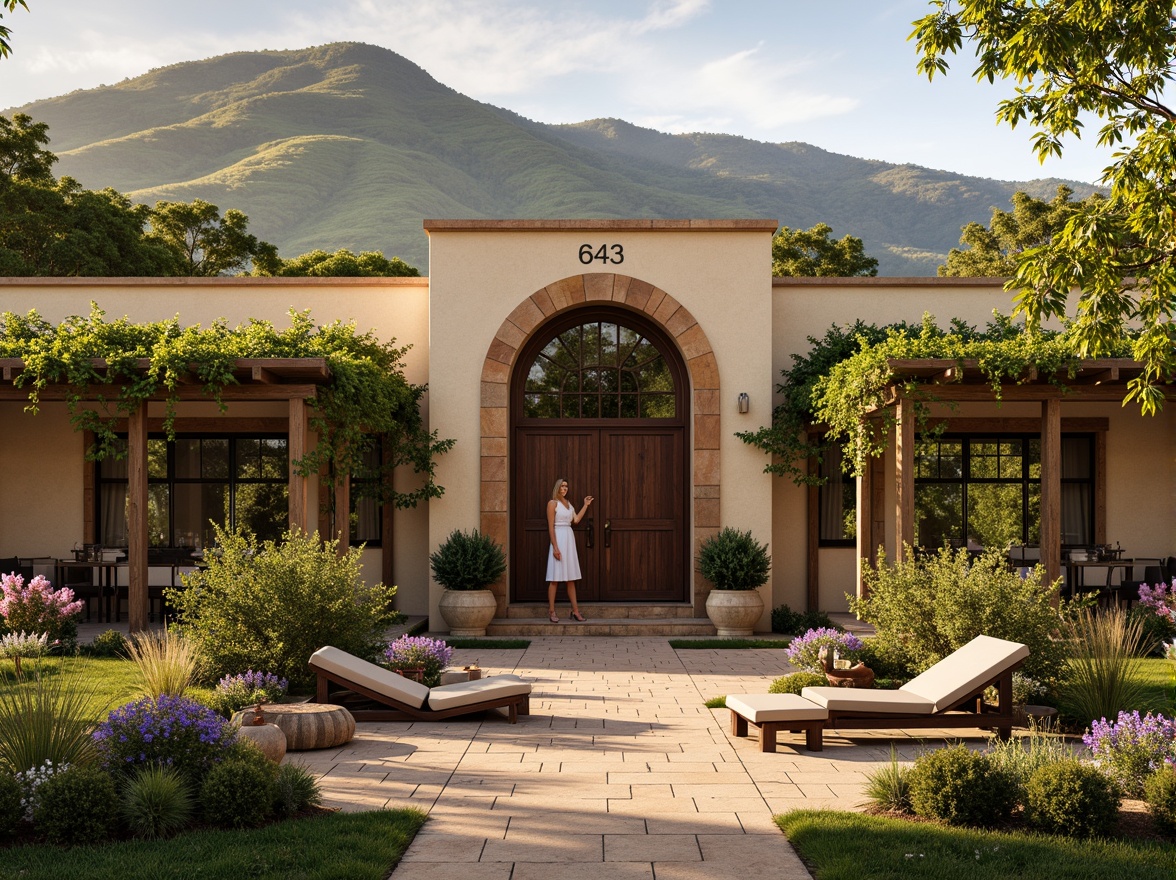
[961,787]
[157,802]
[1072,798]
[467,561]
[11,808]
[927,606]
[785,620]
[295,789]
[238,793]
[1159,790]
[271,605]
[110,643]
[733,560]
[74,806]
[795,682]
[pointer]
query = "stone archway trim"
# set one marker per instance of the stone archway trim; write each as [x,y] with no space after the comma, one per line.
[696,350]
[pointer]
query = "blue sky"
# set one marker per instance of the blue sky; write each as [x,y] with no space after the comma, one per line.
[838,74]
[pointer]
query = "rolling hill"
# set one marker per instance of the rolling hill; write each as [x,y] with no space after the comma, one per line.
[351,145]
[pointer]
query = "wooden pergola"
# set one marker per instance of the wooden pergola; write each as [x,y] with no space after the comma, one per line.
[950,381]
[294,380]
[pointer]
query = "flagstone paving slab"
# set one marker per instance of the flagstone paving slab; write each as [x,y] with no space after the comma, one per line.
[618,762]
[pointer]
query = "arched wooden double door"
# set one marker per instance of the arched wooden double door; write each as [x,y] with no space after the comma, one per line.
[600,398]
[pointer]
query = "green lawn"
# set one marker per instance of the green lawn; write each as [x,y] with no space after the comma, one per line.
[340,846]
[851,846]
[1160,693]
[113,680]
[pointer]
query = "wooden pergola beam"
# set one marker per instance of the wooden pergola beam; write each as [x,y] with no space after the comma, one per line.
[137,600]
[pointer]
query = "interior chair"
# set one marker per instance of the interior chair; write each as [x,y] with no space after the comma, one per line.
[1152,573]
[372,693]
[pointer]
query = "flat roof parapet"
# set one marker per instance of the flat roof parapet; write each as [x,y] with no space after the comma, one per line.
[595,225]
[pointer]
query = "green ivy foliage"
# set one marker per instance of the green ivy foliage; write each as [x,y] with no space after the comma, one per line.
[845,377]
[367,396]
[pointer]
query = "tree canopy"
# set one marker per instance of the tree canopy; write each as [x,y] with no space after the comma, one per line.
[993,250]
[811,252]
[10,5]
[1113,263]
[206,243]
[319,263]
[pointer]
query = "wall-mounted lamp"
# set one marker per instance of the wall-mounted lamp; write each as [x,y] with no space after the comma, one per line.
[744,402]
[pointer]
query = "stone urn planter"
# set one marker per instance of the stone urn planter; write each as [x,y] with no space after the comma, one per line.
[734,612]
[465,564]
[267,737]
[467,612]
[737,565]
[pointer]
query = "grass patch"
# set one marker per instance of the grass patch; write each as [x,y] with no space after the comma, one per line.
[693,644]
[716,703]
[849,846]
[487,643]
[339,846]
[115,681]
[1158,686]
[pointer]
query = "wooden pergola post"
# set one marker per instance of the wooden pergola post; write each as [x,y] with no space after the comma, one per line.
[137,601]
[904,476]
[1051,487]
[342,525]
[299,516]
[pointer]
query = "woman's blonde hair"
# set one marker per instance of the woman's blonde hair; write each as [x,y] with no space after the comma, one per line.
[555,489]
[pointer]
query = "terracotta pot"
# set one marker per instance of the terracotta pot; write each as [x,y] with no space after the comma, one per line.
[734,612]
[468,611]
[267,737]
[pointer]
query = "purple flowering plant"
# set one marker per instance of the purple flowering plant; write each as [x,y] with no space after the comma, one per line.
[1131,747]
[1160,598]
[166,731]
[804,652]
[235,692]
[418,652]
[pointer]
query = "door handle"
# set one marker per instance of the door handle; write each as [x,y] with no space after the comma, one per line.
[591,533]
[607,533]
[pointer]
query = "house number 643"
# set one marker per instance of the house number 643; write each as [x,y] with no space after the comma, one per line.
[606,253]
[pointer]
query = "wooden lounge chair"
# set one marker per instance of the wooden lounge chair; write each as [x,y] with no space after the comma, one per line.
[949,694]
[372,693]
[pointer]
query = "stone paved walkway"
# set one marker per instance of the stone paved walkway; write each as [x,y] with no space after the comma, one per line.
[618,762]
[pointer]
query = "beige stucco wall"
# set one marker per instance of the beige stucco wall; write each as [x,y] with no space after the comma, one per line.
[722,277]
[44,452]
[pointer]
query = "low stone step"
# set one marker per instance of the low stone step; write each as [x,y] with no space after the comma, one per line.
[635,611]
[669,627]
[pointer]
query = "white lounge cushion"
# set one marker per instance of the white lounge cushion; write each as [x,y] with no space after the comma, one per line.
[761,708]
[465,693]
[369,675]
[838,699]
[964,670]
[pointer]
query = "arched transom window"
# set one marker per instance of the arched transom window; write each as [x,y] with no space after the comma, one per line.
[599,370]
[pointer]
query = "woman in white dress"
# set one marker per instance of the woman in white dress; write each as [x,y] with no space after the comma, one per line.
[562,562]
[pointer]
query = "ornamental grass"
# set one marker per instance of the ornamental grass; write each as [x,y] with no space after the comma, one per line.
[166,663]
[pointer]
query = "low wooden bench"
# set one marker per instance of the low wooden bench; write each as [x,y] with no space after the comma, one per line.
[772,713]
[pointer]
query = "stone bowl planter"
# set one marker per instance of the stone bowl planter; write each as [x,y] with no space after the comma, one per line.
[267,737]
[734,612]
[467,612]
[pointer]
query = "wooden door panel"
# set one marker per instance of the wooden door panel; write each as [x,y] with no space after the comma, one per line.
[643,503]
[541,456]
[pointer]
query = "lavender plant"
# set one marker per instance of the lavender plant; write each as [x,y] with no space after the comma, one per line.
[235,692]
[167,731]
[1132,747]
[418,652]
[804,652]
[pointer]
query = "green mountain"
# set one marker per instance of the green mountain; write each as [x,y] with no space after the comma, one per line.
[351,145]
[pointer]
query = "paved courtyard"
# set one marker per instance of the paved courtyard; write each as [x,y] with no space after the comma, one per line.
[618,762]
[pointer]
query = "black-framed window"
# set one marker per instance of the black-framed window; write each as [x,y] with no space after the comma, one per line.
[234,480]
[367,513]
[836,502]
[985,490]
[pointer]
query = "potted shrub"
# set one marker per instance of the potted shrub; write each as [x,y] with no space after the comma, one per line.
[465,565]
[736,565]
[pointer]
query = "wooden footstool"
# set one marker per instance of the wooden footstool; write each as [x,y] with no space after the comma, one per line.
[772,713]
[306,725]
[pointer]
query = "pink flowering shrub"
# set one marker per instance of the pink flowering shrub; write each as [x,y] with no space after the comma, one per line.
[1159,598]
[38,608]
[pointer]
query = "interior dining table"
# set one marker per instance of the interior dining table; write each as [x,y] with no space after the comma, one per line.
[1077,572]
[107,571]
